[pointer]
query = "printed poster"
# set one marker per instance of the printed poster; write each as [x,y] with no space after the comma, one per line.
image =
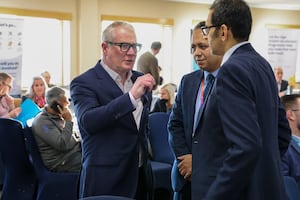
[11,51]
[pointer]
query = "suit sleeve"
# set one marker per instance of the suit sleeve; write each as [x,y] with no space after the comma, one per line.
[99,108]
[176,128]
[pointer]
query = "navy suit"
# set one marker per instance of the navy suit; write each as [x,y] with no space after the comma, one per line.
[283,85]
[110,138]
[241,129]
[291,162]
[182,121]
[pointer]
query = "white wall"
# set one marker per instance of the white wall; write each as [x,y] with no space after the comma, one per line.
[86,30]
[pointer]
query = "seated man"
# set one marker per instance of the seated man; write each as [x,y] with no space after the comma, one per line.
[291,160]
[53,130]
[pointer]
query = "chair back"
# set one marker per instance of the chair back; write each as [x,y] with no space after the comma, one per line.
[51,185]
[19,177]
[159,137]
[291,187]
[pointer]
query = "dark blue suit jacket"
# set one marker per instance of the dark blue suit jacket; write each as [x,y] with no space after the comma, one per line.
[110,138]
[291,162]
[181,122]
[235,147]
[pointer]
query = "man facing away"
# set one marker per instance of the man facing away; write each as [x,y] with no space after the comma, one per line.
[148,63]
[184,117]
[111,103]
[281,83]
[242,126]
[291,159]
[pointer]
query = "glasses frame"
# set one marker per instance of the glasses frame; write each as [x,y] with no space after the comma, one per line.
[205,29]
[124,47]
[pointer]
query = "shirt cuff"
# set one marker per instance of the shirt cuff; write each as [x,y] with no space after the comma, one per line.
[133,100]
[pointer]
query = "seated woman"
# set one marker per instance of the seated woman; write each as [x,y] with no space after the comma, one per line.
[7,106]
[167,99]
[37,91]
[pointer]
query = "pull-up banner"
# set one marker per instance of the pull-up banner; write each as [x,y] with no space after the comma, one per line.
[11,51]
[283,48]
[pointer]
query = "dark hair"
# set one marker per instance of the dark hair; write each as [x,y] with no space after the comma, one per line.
[289,101]
[156,45]
[199,25]
[235,14]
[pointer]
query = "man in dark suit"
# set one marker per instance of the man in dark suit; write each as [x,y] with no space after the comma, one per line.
[242,126]
[184,115]
[291,159]
[111,103]
[281,83]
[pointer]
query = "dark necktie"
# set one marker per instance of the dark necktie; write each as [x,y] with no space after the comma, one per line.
[209,82]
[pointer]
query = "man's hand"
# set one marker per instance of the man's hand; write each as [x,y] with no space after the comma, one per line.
[65,113]
[185,166]
[141,85]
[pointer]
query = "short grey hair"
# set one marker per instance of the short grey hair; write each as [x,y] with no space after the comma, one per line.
[108,33]
[54,94]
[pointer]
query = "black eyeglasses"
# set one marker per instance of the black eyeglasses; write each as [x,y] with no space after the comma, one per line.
[205,29]
[126,46]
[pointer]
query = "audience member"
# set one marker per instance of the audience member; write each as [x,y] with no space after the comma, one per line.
[111,103]
[53,130]
[282,84]
[37,91]
[47,76]
[161,79]
[7,106]
[166,100]
[242,126]
[148,63]
[291,159]
[184,116]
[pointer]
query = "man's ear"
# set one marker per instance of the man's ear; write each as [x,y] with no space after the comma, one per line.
[290,115]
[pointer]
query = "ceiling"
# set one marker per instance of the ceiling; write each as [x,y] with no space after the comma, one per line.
[272,4]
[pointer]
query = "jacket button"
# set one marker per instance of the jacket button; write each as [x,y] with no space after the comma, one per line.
[195,142]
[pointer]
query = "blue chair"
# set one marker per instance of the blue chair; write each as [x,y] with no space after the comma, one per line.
[162,156]
[51,185]
[291,187]
[106,197]
[19,177]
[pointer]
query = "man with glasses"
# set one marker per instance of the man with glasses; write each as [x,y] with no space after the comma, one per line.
[291,159]
[236,150]
[111,103]
[184,118]
[7,106]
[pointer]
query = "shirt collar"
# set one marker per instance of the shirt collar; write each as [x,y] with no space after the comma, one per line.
[230,51]
[114,75]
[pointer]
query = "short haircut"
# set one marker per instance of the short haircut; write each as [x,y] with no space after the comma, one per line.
[199,25]
[290,101]
[235,14]
[54,94]
[156,45]
[108,33]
